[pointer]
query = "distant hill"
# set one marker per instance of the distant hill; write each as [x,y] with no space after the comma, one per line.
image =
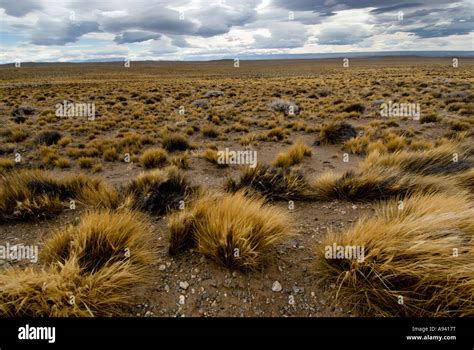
[253,56]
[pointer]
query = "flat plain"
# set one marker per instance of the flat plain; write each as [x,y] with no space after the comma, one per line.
[135,214]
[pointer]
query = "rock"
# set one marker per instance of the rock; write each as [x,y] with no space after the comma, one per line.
[148,314]
[201,103]
[276,287]
[287,107]
[214,93]
[162,267]
[183,285]
[181,300]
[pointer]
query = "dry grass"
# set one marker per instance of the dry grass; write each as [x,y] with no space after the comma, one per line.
[234,230]
[6,164]
[90,269]
[382,176]
[102,238]
[409,253]
[270,182]
[447,158]
[27,194]
[158,191]
[374,184]
[175,142]
[153,158]
[294,156]
[335,132]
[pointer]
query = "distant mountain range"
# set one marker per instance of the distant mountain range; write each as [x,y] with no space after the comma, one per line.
[254,56]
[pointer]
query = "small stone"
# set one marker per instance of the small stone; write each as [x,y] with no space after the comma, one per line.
[276,287]
[183,285]
[148,314]
[181,299]
[162,267]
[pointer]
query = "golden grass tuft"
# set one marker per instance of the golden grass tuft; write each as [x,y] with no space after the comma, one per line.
[100,239]
[423,253]
[447,158]
[158,191]
[88,269]
[28,194]
[270,182]
[153,158]
[294,156]
[374,184]
[232,229]
[335,132]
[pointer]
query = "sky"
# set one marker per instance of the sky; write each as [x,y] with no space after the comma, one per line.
[138,30]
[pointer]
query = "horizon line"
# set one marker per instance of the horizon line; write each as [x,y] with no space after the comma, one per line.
[276,56]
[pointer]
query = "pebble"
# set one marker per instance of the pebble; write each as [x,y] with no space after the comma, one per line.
[181,299]
[276,287]
[184,285]
[162,267]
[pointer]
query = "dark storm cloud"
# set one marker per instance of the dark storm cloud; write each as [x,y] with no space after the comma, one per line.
[60,33]
[154,19]
[19,8]
[428,23]
[135,37]
[338,5]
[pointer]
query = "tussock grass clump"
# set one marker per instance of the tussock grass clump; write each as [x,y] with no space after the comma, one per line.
[285,106]
[270,182]
[86,162]
[180,161]
[6,164]
[89,269]
[336,132]
[48,138]
[102,238]
[158,191]
[447,158]
[423,253]
[153,158]
[382,176]
[175,142]
[374,184]
[233,230]
[294,156]
[27,194]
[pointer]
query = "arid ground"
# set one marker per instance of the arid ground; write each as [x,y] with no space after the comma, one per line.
[179,116]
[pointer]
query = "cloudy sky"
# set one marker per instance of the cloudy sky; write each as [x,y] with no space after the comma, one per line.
[76,30]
